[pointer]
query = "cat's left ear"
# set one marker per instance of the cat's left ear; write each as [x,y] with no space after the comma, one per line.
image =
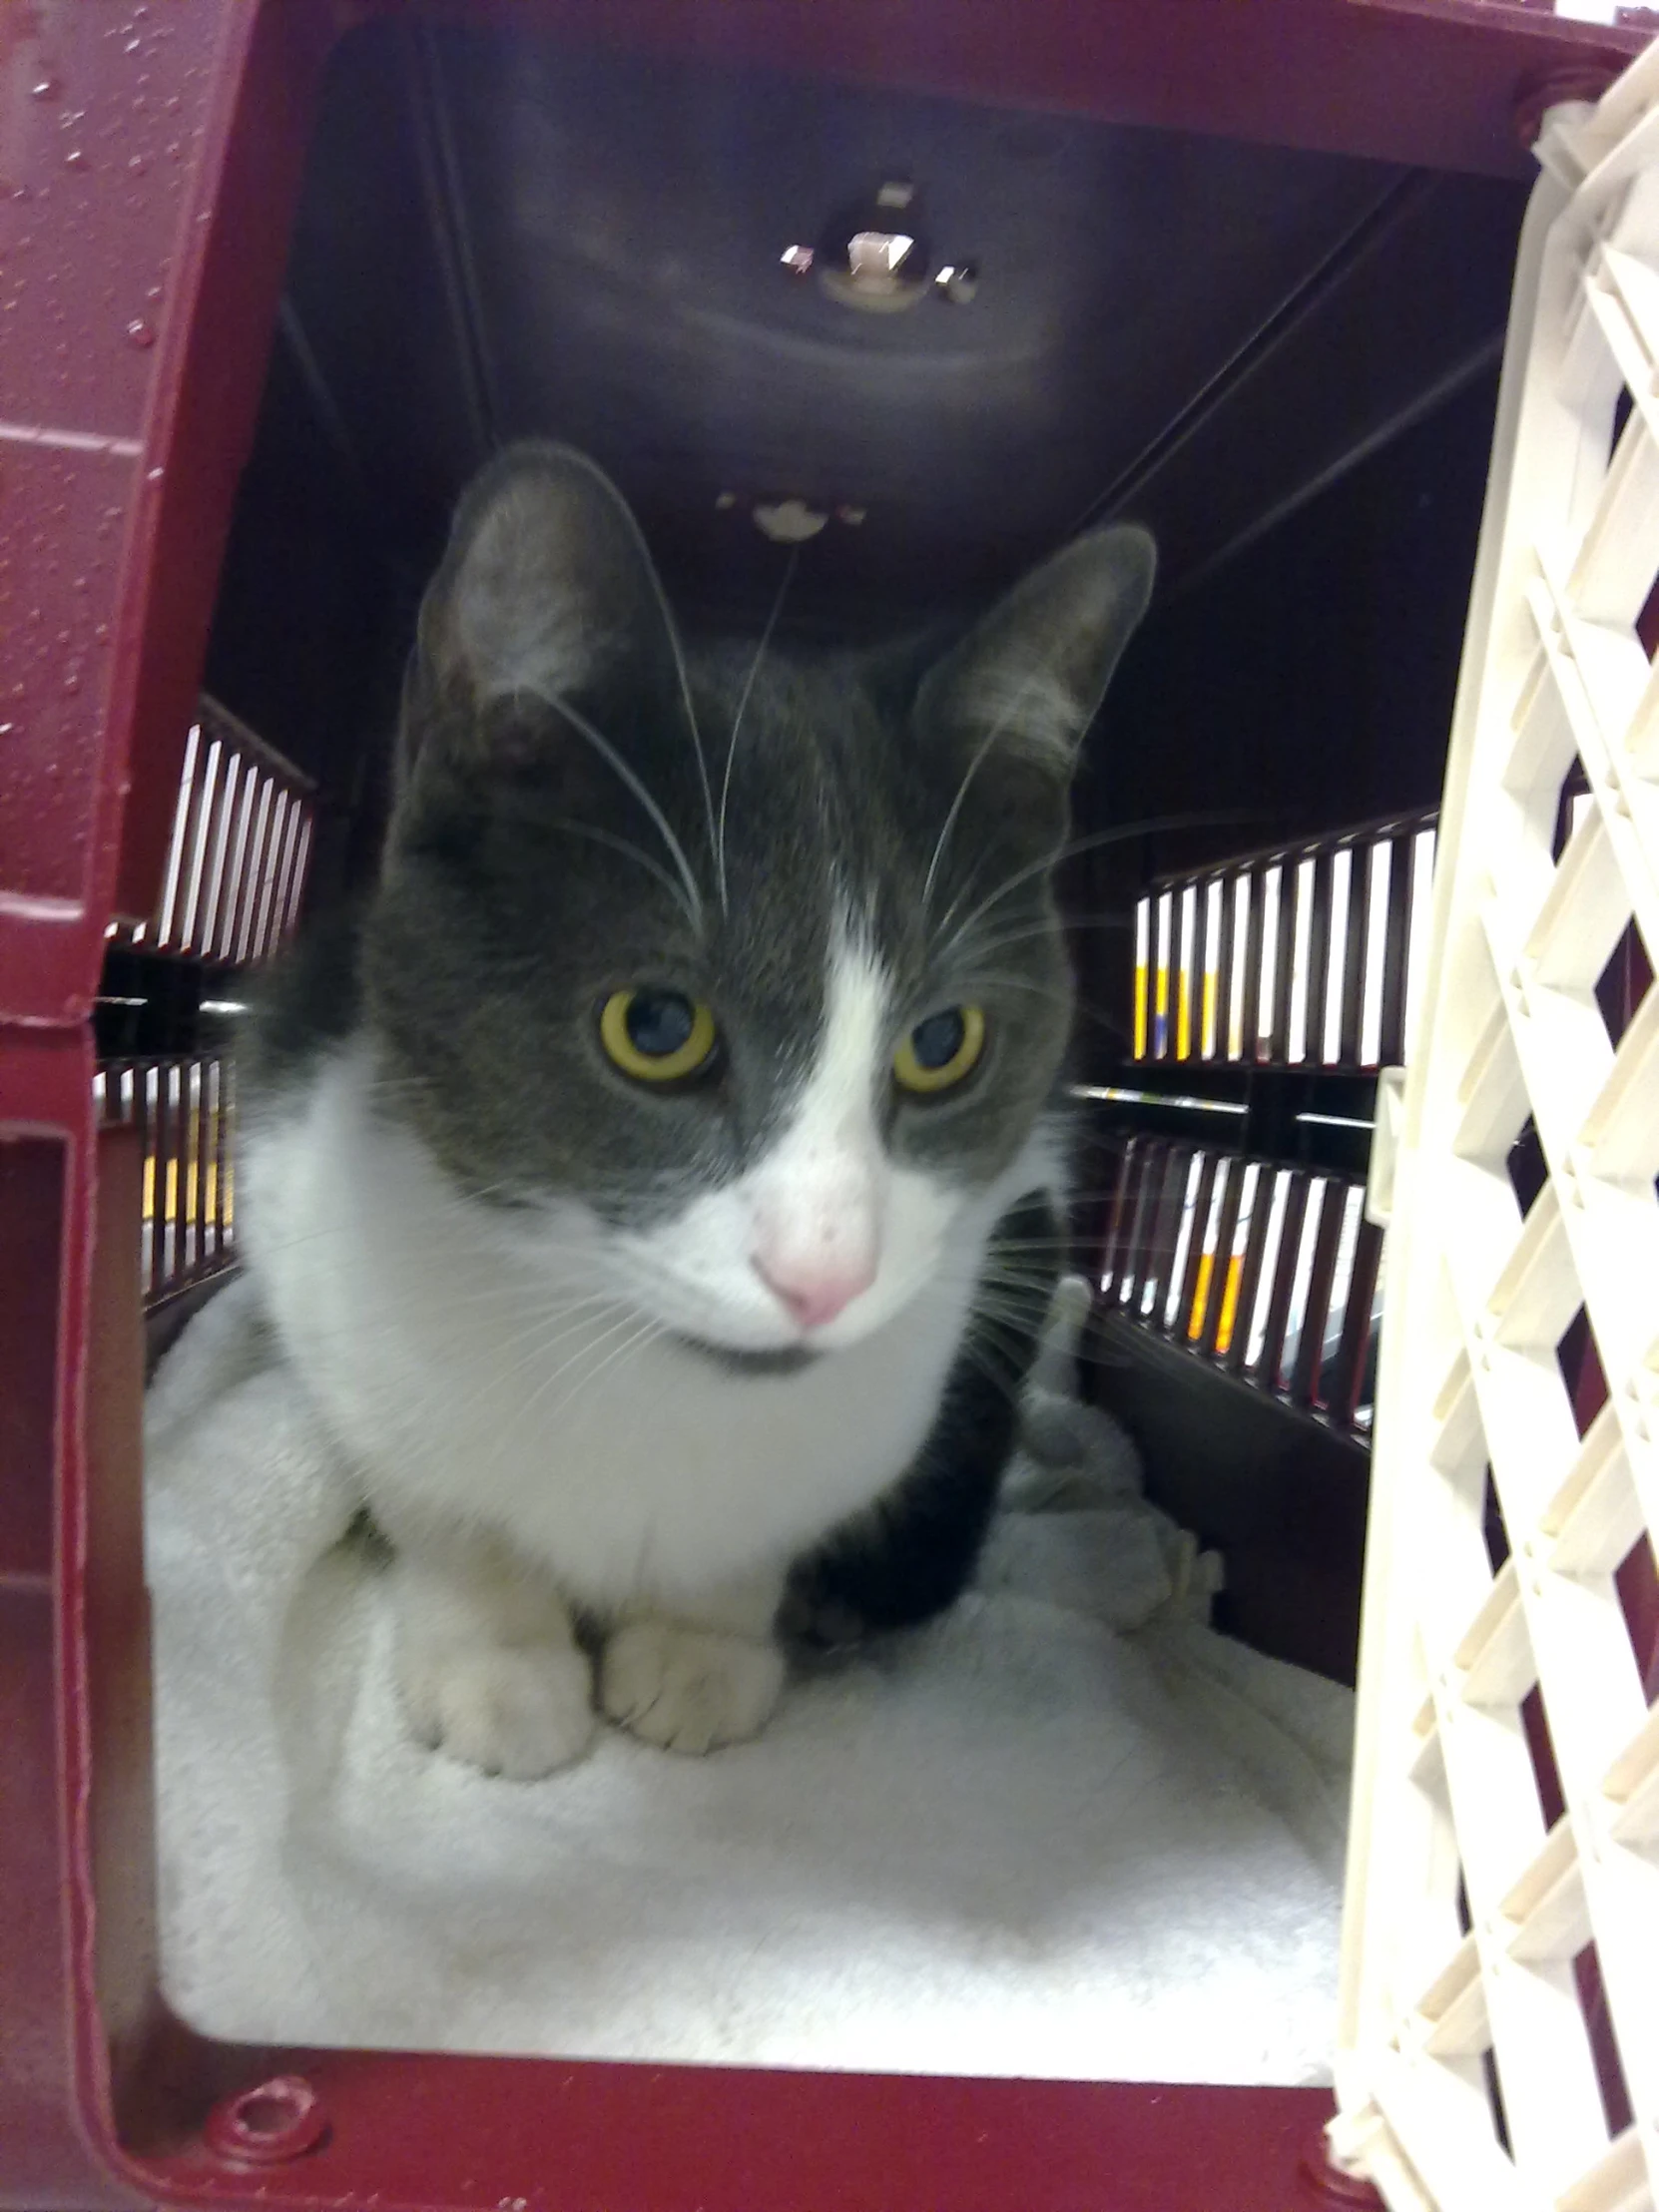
[547,591]
[1025,682]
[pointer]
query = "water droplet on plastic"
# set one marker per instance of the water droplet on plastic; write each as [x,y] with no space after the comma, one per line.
[72,682]
[139,334]
[138,166]
[45,88]
[133,46]
[75,159]
[153,475]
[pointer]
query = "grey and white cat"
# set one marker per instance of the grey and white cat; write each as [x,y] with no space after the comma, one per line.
[626,1180]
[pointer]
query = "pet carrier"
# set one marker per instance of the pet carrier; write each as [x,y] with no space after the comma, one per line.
[273,277]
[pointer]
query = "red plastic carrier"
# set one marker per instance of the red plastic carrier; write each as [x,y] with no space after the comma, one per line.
[150,156]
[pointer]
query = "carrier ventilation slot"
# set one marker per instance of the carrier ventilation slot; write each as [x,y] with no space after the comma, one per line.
[231,896]
[238,853]
[1265,1272]
[183,1109]
[1306,957]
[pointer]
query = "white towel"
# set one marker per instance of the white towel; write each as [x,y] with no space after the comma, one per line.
[1066,1830]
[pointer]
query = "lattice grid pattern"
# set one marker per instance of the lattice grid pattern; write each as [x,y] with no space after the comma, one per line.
[1500,2042]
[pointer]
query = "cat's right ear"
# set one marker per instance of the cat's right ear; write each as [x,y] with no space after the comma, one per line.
[546,594]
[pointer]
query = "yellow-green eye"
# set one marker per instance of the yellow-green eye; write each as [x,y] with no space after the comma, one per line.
[941,1050]
[656,1036]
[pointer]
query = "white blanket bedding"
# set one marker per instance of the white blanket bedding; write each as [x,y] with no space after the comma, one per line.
[1066,1830]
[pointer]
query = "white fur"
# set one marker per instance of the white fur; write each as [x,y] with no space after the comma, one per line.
[530,1384]
[825,1198]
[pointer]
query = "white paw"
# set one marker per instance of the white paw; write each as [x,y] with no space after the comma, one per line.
[689,1689]
[514,1710]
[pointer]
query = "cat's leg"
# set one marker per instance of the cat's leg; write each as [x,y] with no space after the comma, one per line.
[487,1659]
[694,1676]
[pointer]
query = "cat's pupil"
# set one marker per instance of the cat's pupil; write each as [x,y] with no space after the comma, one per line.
[937,1040]
[658,1022]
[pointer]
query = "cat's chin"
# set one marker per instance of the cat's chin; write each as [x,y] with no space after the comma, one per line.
[781,1360]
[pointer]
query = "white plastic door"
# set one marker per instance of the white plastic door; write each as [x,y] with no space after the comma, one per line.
[1470,2076]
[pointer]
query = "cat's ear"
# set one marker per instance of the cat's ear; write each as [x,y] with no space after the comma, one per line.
[547,590]
[1025,682]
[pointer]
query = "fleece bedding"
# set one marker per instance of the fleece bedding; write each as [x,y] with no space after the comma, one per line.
[1068,1829]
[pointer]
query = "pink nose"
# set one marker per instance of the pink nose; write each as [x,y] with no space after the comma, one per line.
[815,1295]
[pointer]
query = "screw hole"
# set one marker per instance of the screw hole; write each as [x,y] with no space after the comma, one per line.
[264,2113]
[275,2121]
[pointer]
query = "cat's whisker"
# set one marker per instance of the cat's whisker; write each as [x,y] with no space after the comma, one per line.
[1045,929]
[613,760]
[395,1325]
[1016,699]
[593,1310]
[1149,825]
[640,1340]
[737,720]
[626,848]
[520,1413]
[683,675]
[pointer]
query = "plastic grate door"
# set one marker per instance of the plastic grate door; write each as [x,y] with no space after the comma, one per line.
[1500,2028]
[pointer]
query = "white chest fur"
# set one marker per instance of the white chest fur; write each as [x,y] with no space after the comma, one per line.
[484,1372]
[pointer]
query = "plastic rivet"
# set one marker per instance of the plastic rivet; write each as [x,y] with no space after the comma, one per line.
[266,2126]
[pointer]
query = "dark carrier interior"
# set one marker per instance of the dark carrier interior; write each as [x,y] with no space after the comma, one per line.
[1284,361]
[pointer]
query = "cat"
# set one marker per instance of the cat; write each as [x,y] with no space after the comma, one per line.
[646,1181]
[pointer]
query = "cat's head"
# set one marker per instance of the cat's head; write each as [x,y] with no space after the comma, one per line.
[752,958]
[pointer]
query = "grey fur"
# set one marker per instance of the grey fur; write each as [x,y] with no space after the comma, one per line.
[553,841]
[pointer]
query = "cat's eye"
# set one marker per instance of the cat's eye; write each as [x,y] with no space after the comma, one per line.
[941,1050]
[656,1036]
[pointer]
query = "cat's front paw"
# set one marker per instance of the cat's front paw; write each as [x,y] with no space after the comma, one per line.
[515,1709]
[689,1689]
